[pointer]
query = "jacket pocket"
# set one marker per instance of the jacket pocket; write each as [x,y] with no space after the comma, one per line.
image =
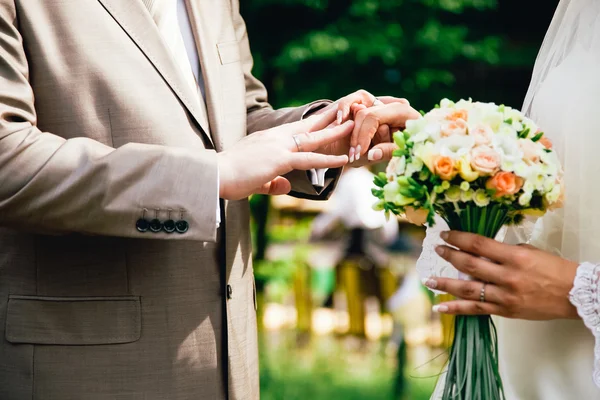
[73,320]
[229,52]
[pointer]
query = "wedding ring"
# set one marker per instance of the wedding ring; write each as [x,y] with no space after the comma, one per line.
[482,293]
[297,141]
[377,102]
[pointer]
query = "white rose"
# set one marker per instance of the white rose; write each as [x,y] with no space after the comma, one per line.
[445,103]
[525,199]
[454,147]
[415,126]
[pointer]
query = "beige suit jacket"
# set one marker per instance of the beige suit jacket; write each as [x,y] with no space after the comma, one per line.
[97,125]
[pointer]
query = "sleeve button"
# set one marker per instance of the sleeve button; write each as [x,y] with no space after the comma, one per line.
[182,226]
[169,226]
[156,225]
[142,225]
[229,292]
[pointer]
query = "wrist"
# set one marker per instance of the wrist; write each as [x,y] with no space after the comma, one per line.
[224,175]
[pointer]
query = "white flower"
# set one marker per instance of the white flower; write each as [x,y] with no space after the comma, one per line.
[414,126]
[390,190]
[445,103]
[415,165]
[437,115]
[464,186]
[454,147]
[554,195]
[510,153]
[525,199]
[528,187]
[395,167]
[464,104]
[426,153]
[507,131]
[529,124]
[431,130]
[481,198]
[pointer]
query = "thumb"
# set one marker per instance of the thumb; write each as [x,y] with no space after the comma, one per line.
[381,152]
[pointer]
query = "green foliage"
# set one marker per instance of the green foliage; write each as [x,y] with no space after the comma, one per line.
[423,50]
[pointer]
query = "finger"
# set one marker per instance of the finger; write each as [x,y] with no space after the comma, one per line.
[311,141]
[356,107]
[466,290]
[278,186]
[345,104]
[469,307]
[390,99]
[368,121]
[478,245]
[306,161]
[382,135]
[313,123]
[381,152]
[476,267]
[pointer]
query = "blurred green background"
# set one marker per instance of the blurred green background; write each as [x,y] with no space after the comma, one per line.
[423,50]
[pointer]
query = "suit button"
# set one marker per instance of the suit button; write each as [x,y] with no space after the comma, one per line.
[169,226]
[155,225]
[142,225]
[182,226]
[229,292]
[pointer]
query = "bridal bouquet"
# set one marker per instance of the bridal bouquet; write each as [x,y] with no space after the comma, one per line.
[479,166]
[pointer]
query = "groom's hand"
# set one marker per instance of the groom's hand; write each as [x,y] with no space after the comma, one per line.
[256,163]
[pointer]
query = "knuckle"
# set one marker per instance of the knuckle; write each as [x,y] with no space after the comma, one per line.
[470,264]
[467,291]
[480,308]
[478,244]
[521,256]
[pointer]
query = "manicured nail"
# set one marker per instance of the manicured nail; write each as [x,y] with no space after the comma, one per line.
[444,235]
[351,154]
[440,308]
[374,155]
[440,250]
[429,282]
[339,117]
[358,150]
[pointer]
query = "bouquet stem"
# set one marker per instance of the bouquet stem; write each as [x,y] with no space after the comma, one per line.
[473,372]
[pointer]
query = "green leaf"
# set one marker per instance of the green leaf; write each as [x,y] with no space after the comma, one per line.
[422,112]
[524,133]
[537,137]
[399,153]
[377,193]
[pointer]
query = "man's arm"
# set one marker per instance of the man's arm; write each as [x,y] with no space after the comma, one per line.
[52,185]
[262,116]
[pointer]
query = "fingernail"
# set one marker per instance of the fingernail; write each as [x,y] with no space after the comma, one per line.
[358,150]
[440,308]
[374,155]
[351,154]
[444,235]
[440,250]
[339,116]
[429,282]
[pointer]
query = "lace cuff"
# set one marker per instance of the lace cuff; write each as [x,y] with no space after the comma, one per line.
[586,297]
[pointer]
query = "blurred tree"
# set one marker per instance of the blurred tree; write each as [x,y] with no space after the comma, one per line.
[423,50]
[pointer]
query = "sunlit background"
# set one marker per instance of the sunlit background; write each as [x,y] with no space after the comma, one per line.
[341,312]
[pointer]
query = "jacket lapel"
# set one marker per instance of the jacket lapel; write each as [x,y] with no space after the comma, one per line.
[135,20]
[201,13]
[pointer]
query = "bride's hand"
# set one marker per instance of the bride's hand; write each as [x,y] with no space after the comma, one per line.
[522,281]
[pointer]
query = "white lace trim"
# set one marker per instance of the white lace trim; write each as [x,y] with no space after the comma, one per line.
[586,297]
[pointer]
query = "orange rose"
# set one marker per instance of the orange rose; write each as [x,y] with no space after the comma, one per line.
[458,114]
[416,216]
[504,183]
[444,167]
[546,142]
[458,127]
[485,160]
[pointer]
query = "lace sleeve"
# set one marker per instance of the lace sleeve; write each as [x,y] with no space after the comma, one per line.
[586,297]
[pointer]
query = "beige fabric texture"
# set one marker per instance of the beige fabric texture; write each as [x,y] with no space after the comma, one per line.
[97,124]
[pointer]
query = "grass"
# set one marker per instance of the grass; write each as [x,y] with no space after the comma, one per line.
[326,368]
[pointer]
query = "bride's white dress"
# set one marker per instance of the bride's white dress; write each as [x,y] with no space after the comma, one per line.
[554,360]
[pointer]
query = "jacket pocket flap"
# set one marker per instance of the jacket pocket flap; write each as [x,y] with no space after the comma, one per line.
[73,320]
[229,52]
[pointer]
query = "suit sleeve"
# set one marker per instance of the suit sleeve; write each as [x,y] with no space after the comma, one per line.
[52,185]
[262,116]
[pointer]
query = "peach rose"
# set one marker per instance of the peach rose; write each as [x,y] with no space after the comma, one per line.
[546,142]
[444,167]
[485,160]
[458,127]
[458,114]
[530,151]
[482,134]
[416,216]
[504,183]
